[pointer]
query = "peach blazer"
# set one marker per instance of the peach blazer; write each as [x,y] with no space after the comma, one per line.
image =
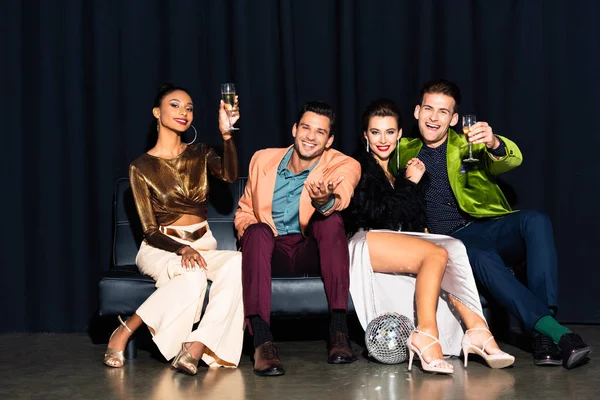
[255,205]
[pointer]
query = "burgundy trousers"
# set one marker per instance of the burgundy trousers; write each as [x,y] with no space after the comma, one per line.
[324,251]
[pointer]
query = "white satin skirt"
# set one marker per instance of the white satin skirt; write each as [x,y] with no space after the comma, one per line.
[375,293]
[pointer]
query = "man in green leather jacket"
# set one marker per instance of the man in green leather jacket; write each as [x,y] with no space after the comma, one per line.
[464,200]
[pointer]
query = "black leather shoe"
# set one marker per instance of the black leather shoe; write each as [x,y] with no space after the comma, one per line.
[545,351]
[339,349]
[266,360]
[573,349]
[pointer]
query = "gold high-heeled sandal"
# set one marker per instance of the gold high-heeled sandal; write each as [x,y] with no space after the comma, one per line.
[433,365]
[182,361]
[112,355]
[499,360]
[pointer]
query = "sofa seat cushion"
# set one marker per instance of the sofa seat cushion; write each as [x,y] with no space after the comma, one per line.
[300,295]
[121,292]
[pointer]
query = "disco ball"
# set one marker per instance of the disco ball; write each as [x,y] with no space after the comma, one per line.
[386,336]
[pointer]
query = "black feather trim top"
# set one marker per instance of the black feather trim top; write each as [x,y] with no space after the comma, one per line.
[378,205]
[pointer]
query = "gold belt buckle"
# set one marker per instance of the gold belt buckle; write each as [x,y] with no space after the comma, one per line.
[185,235]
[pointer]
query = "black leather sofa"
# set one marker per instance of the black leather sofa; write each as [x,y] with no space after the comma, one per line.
[123,289]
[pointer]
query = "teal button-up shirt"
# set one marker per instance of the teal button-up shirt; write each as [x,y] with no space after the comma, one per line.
[286,197]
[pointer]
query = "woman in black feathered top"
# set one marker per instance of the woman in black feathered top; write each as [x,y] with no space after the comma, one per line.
[386,225]
[380,204]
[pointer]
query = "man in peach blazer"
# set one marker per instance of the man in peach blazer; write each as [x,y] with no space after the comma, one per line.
[288,221]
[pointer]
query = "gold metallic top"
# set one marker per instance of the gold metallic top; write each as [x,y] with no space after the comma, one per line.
[165,189]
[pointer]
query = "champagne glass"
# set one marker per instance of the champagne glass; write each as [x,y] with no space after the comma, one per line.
[468,122]
[228,95]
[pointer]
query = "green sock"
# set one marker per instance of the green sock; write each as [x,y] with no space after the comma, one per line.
[548,326]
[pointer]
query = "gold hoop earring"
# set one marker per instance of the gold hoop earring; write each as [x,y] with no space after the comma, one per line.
[195,135]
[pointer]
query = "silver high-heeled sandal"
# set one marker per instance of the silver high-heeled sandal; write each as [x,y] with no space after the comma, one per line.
[112,355]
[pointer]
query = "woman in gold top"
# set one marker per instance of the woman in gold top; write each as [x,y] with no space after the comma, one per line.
[170,188]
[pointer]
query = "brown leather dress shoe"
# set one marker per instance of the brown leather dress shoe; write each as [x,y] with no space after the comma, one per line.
[266,360]
[339,349]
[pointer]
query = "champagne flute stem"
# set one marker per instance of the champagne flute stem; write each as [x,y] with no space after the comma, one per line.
[231,127]
[470,150]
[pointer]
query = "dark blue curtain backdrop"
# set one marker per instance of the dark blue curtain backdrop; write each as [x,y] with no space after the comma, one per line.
[79,76]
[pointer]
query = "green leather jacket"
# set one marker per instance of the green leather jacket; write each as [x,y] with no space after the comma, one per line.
[476,190]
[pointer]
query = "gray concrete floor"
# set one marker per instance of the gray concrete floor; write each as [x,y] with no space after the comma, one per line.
[69,366]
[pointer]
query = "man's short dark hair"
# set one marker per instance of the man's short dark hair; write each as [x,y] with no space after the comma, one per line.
[442,86]
[320,108]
